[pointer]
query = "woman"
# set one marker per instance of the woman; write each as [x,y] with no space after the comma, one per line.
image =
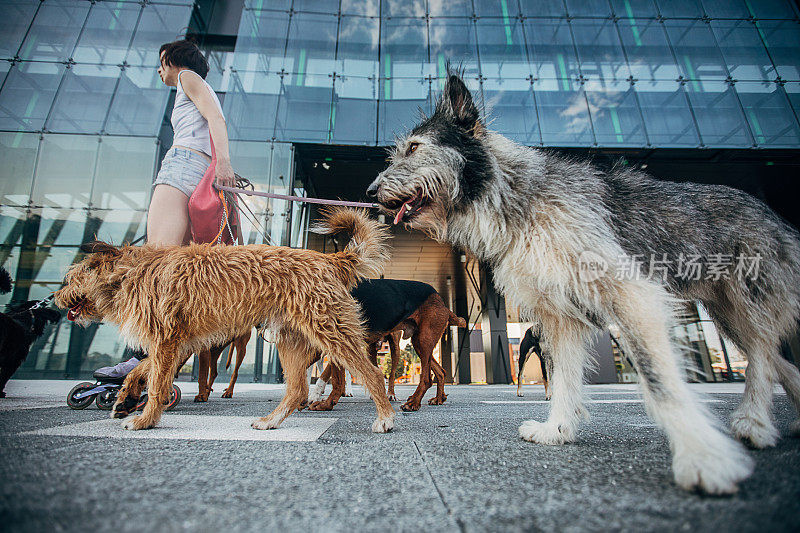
[196,113]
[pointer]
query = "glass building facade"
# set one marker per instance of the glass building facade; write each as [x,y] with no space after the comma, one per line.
[84,116]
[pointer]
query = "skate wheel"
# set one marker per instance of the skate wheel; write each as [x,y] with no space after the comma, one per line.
[176,398]
[80,403]
[142,401]
[105,400]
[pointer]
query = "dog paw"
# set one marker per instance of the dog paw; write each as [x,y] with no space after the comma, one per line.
[325,405]
[136,423]
[712,471]
[200,398]
[794,428]
[437,401]
[545,433]
[519,393]
[410,406]
[383,425]
[754,432]
[227,393]
[265,423]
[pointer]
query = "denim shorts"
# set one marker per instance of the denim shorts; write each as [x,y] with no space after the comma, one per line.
[182,169]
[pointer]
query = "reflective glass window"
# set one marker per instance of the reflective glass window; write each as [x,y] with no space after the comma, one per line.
[28,94]
[501,44]
[64,171]
[107,33]
[506,9]
[279,5]
[82,101]
[158,24]
[588,8]
[634,8]
[793,93]
[138,105]
[12,221]
[124,173]
[354,114]
[743,50]
[450,8]
[251,160]
[599,49]
[312,44]
[666,114]
[251,105]
[357,51]
[261,43]
[563,114]
[282,163]
[17,16]
[783,41]
[511,109]
[647,49]
[62,227]
[453,39]
[402,8]
[400,99]
[121,224]
[18,154]
[104,347]
[304,109]
[330,7]
[719,115]
[543,8]
[404,47]
[55,30]
[696,50]
[731,9]
[772,9]
[615,114]
[681,8]
[551,50]
[367,8]
[767,110]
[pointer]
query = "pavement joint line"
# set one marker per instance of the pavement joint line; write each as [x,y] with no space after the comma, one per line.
[587,401]
[441,496]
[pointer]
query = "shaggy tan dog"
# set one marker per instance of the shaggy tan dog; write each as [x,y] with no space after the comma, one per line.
[174,301]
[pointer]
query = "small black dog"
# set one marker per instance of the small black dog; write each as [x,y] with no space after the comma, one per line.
[530,344]
[20,325]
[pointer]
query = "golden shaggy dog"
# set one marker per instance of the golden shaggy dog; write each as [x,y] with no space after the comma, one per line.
[177,300]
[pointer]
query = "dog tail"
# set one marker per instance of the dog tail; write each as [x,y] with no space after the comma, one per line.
[5,281]
[368,248]
[456,320]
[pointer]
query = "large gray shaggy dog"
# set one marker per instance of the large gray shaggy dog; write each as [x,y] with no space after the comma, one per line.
[536,218]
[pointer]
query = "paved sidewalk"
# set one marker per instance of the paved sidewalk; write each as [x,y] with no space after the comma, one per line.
[455,467]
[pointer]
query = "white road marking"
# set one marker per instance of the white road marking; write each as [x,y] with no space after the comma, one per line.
[7,404]
[199,427]
[587,401]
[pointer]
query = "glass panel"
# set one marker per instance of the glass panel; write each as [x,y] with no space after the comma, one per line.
[502,48]
[12,219]
[403,8]
[551,50]
[120,225]
[106,348]
[367,8]
[400,100]
[317,6]
[743,50]
[61,227]
[138,104]
[783,42]
[261,43]
[28,95]
[507,9]
[357,51]
[64,173]
[304,109]
[281,5]
[158,24]
[107,33]
[511,109]
[83,99]
[450,8]
[17,16]
[588,8]
[453,39]
[645,43]
[404,48]
[280,179]
[719,116]
[793,92]
[599,49]
[614,113]
[697,52]
[666,114]
[18,154]
[634,8]
[683,8]
[771,119]
[251,105]
[54,31]
[542,8]
[125,167]
[563,115]
[354,116]
[777,9]
[731,9]
[312,44]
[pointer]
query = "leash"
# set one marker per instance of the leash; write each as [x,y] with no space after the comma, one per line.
[322,201]
[42,303]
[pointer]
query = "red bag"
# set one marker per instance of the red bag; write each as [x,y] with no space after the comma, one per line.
[213,214]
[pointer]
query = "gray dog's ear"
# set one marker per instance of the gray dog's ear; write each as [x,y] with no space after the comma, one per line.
[457,102]
[99,247]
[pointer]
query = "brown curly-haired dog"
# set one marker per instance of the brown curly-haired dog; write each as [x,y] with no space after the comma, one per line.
[177,300]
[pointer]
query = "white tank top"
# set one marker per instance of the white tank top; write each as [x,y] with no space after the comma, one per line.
[189,127]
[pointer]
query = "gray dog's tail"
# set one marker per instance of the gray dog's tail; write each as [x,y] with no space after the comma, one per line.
[5,281]
[367,251]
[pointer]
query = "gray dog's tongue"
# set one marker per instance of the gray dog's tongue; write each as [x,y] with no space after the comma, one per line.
[402,212]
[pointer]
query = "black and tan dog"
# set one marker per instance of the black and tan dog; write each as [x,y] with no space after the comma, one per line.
[394,308]
[531,344]
[20,325]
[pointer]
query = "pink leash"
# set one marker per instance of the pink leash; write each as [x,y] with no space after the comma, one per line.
[237,190]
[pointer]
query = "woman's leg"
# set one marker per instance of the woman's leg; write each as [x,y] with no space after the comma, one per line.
[168,217]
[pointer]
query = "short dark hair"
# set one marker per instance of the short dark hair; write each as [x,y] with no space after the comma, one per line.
[186,54]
